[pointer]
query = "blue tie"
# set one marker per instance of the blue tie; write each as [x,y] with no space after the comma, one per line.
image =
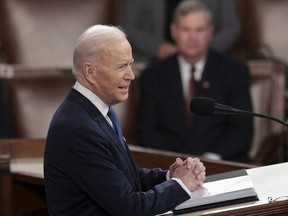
[113,117]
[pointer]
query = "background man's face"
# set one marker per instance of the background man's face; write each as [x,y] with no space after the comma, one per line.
[192,34]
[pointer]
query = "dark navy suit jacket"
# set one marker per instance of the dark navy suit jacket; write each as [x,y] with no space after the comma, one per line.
[88,172]
[162,121]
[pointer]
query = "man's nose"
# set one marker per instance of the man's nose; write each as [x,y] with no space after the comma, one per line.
[130,74]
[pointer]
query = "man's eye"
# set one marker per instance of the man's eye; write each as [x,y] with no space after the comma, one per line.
[121,66]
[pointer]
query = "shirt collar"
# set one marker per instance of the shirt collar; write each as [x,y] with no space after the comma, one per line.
[101,106]
[186,66]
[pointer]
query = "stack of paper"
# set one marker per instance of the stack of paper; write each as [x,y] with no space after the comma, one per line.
[219,190]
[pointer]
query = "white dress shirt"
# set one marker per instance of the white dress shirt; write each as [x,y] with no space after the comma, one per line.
[185,72]
[101,106]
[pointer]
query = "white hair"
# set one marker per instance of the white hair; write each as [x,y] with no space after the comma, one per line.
[189,6]
[90,43]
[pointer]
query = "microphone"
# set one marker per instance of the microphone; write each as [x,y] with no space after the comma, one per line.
[208,107]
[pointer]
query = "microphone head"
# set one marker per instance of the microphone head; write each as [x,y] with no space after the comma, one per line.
[202,106]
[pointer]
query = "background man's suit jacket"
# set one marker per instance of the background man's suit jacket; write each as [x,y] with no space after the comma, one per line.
[162,119]
[88,172]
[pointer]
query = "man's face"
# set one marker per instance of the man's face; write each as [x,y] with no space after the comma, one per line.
[192,34]
[114,75]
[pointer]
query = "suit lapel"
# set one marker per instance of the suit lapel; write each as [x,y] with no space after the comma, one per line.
[210,73]
[125,152]
[107,129]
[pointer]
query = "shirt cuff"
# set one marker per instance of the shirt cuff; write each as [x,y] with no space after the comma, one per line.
[182,185]
[179,182]
[168,175]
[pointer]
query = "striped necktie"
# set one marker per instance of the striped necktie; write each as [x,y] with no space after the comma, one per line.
[116,125]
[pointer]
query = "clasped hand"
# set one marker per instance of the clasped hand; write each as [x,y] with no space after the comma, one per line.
[191,172]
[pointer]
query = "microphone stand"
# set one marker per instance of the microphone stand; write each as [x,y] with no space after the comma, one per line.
[207,106]
[234,111]
[247,113]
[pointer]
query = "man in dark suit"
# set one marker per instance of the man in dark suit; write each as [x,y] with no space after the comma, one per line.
[164,116]
[88,167]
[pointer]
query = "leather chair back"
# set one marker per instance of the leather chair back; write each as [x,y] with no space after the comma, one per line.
[268,97]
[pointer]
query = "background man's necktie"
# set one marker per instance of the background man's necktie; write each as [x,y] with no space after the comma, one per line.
[116,125]
[190,93]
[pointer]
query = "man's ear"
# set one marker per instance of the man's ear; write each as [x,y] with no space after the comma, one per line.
[89,72]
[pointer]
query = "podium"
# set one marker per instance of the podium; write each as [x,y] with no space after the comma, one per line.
[270,183]
[22,180]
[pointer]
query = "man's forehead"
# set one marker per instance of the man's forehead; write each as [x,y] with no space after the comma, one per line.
[118,50]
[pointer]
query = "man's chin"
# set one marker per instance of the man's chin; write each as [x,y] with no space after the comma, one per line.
[123,98]
[193,55]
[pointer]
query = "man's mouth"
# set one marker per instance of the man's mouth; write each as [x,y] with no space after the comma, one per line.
[124,87]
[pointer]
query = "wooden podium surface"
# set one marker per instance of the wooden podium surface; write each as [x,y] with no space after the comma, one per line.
[269,181]
[22,181]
